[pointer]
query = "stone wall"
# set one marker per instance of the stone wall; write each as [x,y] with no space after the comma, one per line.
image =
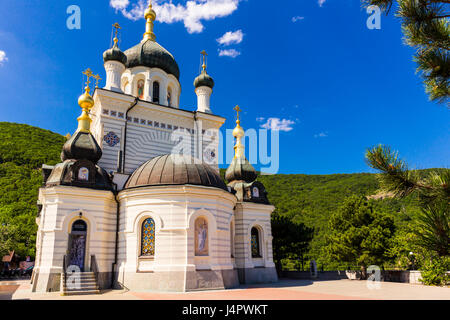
[412,276]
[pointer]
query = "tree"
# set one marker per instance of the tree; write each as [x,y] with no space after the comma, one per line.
[8,242]
[359,235]
[432,188]
[425,27]
[289,239]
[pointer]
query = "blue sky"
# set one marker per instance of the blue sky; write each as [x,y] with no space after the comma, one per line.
[337,86]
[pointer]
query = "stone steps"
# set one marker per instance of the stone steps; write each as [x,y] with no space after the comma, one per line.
[87,284]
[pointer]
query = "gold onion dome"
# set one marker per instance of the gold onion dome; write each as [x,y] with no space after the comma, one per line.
[240,168]
[150,13]
[238,132]
[82,144]
[85,101]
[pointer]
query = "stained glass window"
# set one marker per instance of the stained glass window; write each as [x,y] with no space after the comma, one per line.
[256,253]
[148,238]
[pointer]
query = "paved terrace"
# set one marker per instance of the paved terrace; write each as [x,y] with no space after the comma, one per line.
[283,290]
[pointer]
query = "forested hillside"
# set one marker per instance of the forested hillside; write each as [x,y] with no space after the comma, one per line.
[309,199]
[23,149]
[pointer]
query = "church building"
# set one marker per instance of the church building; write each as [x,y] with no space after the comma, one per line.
[138,202]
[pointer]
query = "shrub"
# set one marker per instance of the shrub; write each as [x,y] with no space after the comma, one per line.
[435,271]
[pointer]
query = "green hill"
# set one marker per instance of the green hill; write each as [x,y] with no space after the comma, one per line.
[23,149]
[309,199]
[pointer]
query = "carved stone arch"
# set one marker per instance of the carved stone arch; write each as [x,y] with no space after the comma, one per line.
[74,216]
[211,229]
[137,78]
[205,213]
[262,232]
[138,230]
[141,217]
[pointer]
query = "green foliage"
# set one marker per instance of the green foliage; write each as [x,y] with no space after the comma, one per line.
[290,240]
[29,146]
[358,234]
[396,178]
[435,271]
[434,229]
[8,238]
[23,149]
[432,188]
[425,27]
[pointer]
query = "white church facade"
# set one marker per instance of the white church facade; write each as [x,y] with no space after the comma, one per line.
[138,202]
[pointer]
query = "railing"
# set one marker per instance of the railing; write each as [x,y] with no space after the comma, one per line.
[64,274]
[94,267]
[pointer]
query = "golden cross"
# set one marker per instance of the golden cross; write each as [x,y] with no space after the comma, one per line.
[237,109]
[204,54]
[117,27]
[88,74]
[97,78]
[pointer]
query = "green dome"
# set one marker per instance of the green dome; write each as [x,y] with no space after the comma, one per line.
[114,54]
[152,55]
[204,80]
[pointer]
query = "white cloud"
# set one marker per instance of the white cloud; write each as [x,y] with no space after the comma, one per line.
[297,18]
[192,12]
[3,57]
[231,38]
[278,124]
[229,53]
[119,4]
[260,119]
[321,2]
[321,135]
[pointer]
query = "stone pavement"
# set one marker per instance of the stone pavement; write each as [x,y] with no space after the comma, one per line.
[283,290]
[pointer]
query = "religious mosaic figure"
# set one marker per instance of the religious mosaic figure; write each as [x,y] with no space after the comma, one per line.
[201,237]
[141,89]
[83,174]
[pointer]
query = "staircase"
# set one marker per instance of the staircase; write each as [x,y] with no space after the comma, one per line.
[85,284]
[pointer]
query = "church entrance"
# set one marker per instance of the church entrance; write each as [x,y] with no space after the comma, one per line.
[77,244]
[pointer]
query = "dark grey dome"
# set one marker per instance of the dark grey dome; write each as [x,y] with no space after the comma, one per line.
[114,54]
[150,54]
[204,79]
[175,170]
[81,146]
[66,174]
[240,170]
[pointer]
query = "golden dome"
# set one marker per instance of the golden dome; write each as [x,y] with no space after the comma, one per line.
[85,101]
[150,13]
[238,132]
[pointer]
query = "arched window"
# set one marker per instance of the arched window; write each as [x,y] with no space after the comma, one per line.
[169,97]
[140,89]
[255,242]
[127,88]
[148,238]
[201,237]
[156,91]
